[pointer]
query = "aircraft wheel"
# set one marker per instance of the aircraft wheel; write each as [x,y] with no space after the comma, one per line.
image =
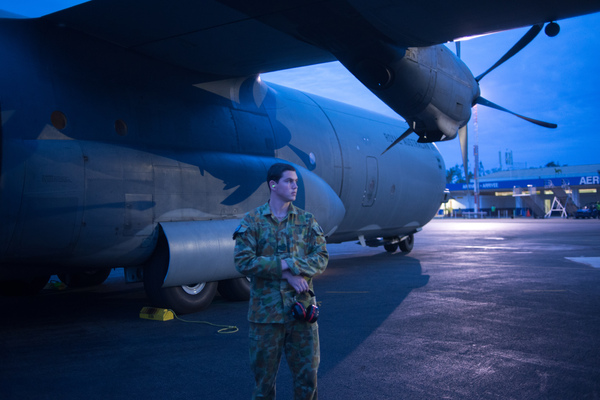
[390,247]
[88,278]
[407,244]
[23,287]
[191,298]
[181,299]
[237,289]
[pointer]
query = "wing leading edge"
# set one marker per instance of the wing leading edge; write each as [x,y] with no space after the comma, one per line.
[227,38]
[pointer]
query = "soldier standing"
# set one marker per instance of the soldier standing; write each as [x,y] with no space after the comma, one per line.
[281,247]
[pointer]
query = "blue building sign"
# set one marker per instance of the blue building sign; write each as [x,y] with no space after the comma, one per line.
[524,183]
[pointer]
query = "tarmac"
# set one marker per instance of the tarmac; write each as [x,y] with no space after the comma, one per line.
[480,309]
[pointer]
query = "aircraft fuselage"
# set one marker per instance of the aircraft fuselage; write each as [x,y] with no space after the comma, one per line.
[101,145]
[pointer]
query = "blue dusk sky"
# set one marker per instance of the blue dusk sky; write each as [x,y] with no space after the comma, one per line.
[553,79]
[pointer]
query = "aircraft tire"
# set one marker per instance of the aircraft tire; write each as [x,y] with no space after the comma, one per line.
[407,244]
[189,299]
[237,289]
[181,299]
[23,287]
[86,278]
[391,247]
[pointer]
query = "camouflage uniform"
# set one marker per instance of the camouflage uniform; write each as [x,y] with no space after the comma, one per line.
[261,243]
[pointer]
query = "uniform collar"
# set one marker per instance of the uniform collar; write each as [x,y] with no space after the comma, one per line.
[266,209]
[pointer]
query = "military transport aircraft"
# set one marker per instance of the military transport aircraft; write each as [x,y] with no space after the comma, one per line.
[136,134]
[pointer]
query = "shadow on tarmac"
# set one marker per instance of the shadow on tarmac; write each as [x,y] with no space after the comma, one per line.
[506,303]
[91,343]
[357,295]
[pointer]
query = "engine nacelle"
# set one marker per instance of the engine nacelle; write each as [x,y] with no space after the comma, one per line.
[429,86]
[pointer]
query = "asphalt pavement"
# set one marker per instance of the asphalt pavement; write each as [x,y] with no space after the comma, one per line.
[480,309]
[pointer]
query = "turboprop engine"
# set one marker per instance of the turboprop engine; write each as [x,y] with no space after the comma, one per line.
[429,86]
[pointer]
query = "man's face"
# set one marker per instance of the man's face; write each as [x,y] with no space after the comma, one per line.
[287,187]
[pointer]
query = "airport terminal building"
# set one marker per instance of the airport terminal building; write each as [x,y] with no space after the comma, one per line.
[535,192]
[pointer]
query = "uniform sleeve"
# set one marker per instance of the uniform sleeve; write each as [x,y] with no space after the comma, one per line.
[317,256]
[245,255]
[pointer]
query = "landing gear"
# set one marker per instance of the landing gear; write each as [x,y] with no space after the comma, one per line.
[188,299]
[406,244]
[390,247]
[181,299]
[237,289]
[85,278]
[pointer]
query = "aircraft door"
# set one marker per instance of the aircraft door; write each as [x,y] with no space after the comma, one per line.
[370,194]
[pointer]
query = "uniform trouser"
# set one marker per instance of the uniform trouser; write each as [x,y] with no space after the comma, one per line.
[300,342]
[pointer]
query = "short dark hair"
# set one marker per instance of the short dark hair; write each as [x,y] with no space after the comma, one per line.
[277,170]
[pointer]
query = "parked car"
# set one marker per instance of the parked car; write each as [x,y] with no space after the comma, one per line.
[588,211]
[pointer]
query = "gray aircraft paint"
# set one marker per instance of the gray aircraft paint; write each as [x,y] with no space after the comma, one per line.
[132,155]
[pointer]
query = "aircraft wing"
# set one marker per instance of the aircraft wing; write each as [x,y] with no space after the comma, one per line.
[206,36]
[225,38]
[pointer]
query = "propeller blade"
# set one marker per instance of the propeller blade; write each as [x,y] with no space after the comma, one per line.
[457,49]
[524,41]
[464,149]
[401,138]
[487,103]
